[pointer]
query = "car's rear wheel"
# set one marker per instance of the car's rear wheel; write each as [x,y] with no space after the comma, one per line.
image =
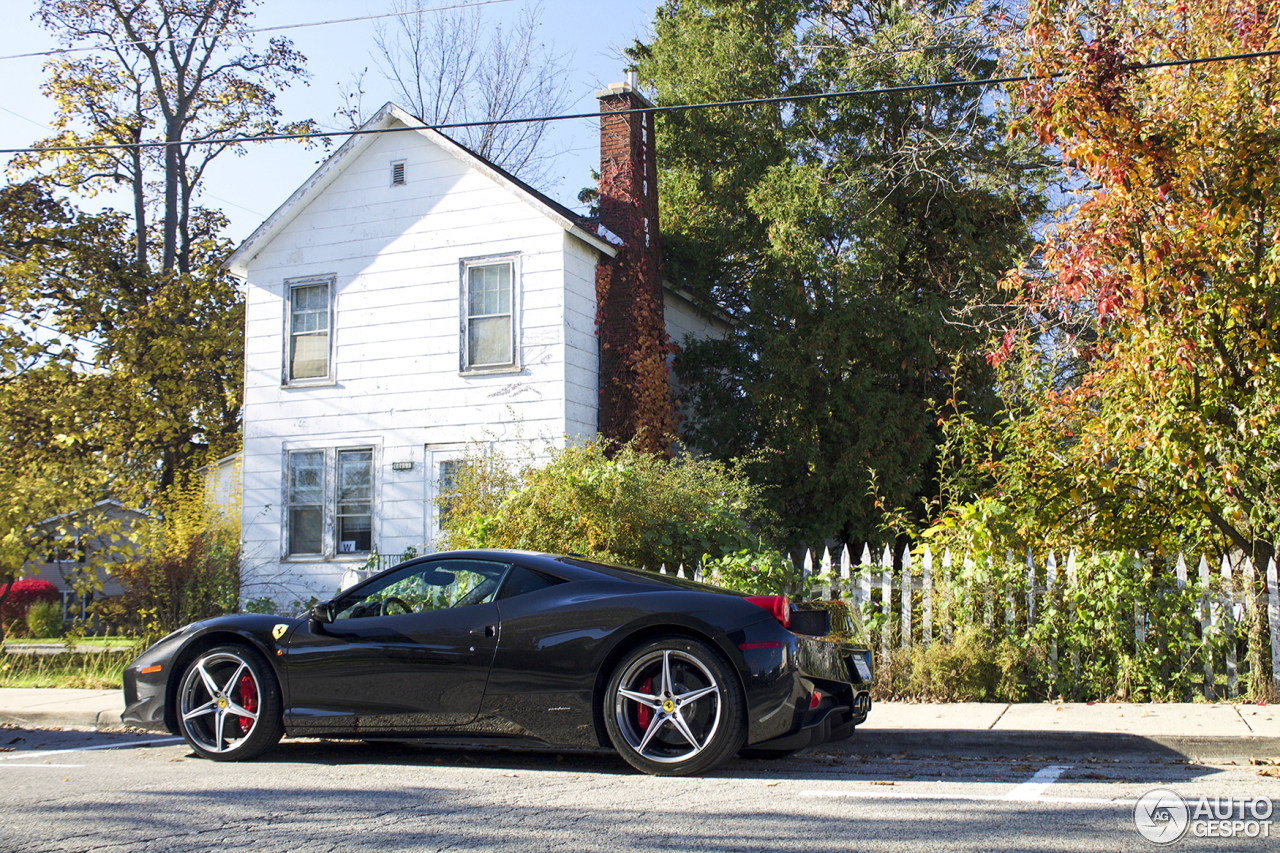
[674,707]
[228,704]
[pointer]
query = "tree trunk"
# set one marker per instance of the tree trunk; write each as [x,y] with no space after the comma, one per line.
[139,203]
[173,136]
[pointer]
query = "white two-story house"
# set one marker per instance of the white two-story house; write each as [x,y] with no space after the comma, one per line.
[408,299]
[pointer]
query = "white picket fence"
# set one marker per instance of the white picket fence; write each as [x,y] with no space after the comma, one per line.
[919,611]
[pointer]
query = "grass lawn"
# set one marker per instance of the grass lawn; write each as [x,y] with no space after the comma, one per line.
[111,642]
[101,670]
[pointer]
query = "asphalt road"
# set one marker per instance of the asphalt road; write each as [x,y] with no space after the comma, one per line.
[82,791]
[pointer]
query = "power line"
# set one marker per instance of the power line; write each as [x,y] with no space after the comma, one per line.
[254,31]
[24,118]
[676,108]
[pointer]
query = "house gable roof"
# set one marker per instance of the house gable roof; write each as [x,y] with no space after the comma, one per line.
[389,116]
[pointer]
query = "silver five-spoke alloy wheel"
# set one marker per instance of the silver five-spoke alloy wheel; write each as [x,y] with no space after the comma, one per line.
[668,706]
[220,702]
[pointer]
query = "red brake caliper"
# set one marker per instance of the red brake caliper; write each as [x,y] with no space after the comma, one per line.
[248,701]
[644,714]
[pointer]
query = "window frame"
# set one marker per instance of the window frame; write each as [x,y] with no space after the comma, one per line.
[338,502]
[330,547]
[465,265]
[287,380]
[289,501]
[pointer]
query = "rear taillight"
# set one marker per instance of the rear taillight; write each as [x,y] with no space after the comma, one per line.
[778,605]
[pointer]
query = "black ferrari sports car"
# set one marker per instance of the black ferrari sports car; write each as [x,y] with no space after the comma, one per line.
[487,646]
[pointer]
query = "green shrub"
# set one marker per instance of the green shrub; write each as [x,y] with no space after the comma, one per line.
[44,619]
[191,565]
[964,670]
[627,507]
[759,572]
[968,668]
[264,605]
[21,596]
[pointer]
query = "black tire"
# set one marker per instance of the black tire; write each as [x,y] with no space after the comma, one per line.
[660,735]
[228,704]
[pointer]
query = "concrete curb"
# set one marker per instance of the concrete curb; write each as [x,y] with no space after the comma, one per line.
[105,720]
[67,708]
[1076,745]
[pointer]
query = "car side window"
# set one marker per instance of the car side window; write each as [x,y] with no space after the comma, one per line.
[437,585]
[521,581]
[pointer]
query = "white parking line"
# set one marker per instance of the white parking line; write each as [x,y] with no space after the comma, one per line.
[975,798]
[44,765]
[126,745]
[1030,791]
[1034,788]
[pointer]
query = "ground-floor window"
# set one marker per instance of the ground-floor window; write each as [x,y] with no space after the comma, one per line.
[329,502]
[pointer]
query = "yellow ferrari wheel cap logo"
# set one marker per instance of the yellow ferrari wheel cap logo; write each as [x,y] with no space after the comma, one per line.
[222,702]
[668,706]
[279,631]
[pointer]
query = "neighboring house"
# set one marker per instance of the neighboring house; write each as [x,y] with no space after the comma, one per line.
[82,546]
[408,299]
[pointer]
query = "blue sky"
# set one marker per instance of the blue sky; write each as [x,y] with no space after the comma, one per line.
[249,188]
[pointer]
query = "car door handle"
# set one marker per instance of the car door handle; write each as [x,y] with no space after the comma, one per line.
[487,630]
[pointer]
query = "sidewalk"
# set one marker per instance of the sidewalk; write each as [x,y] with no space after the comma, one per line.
[1173,730]
[1224,731]
[50,708]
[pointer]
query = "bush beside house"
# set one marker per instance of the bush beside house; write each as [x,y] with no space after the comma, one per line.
[615,504]
[21,597]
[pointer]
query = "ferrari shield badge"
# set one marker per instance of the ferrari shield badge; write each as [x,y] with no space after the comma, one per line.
[278,631]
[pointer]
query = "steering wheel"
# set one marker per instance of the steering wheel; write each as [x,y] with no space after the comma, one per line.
[478,595]
[390,600]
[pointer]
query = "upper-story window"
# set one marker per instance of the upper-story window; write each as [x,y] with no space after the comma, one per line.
[489,330]
[310,319]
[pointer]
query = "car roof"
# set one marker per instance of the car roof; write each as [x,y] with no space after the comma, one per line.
[573,567]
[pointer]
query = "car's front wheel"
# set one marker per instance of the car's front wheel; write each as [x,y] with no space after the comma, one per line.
[228,704]
[674,707]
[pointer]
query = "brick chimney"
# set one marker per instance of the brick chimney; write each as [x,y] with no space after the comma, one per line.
[635,391]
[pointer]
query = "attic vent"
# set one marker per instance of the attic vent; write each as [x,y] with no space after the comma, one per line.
[397,174]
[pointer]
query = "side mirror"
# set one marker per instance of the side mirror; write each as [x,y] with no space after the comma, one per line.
[322,612]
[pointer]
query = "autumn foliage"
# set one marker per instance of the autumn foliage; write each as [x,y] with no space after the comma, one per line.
[1144,376]
[20,595]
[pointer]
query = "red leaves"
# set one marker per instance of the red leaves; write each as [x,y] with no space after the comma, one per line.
[995,359]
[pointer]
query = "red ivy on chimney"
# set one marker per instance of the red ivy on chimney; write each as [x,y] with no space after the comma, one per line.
[635,389]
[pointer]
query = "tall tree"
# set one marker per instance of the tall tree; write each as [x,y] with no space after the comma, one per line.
[132,308]
[149,362]
[449,66]
[1161,291]
[181,72]
[850,238]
